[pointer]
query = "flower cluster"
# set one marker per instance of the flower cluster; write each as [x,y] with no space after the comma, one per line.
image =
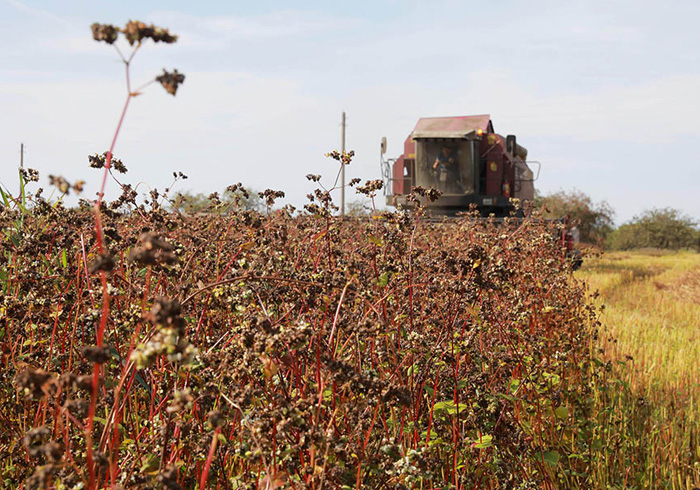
[171,80]
[134,32]
[344,157]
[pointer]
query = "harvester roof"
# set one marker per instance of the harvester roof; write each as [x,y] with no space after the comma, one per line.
[452,127]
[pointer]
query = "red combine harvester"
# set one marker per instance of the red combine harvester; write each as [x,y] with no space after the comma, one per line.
[466,160]
[471,165]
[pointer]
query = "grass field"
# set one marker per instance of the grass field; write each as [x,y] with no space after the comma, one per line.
[649,414]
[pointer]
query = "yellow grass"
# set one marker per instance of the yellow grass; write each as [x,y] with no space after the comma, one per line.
[651,323]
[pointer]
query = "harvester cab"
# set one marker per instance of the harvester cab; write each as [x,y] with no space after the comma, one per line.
[465,159]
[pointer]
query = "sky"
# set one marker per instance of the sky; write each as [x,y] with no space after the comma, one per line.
[604,94]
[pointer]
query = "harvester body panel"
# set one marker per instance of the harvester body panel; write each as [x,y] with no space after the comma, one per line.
[467,161]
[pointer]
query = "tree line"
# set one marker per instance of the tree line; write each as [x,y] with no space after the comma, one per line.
[662,228]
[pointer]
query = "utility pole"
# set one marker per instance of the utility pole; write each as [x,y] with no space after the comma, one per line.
[342,168]
[21,165]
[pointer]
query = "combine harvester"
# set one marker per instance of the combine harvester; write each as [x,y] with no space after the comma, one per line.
[466,160]
[473,166]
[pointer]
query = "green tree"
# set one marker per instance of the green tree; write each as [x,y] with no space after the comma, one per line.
[594,220]
[234,197]
[358,209]
[665,228]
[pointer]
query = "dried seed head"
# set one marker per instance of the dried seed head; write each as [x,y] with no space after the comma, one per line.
[29,174]
[104,33]
[35,383]
[270,196]
[77,408]
[103,262]
[34,439]
[153,250]
[99,355]
[136,31]
[370,187]
[182,400]
[171,80]
[84,382]
[41,478]
[345,157]
[166,312]
[99,161]
[168,478]
[60,183]
[216,418]
[52,451]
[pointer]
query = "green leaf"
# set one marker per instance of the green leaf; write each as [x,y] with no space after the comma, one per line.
[551,457]
[597,444]
[151,465]
[4,198]
[514,386]
[383,279]
[485,441]
[4,278]
[327,394]
[64,259]
[553,378]
[447,406]
[561,412]
[23,202]
[375,240]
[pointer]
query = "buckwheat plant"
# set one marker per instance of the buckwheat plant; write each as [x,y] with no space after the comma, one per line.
[135,33]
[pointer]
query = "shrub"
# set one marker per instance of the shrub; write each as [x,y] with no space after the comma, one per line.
[234,197]
[656,228]
[594,220]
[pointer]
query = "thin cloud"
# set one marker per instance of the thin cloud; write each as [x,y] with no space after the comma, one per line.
[35,12]
[658,109]
[219,31]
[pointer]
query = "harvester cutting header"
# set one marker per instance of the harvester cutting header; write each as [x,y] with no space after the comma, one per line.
[466,160]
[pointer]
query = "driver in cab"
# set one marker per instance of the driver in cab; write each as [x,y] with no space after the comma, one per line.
[445,160]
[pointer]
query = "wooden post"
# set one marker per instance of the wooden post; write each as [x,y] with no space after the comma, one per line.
[342,169]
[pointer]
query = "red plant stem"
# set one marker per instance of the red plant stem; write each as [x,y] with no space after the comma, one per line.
[88,429]
[371,426]
[105,295]
[410,281]
[228,266]
[337,314]
[55,326]
[210,457]
[95,383]
[430,419]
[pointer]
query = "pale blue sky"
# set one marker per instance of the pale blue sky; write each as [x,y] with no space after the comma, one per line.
[603,93]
